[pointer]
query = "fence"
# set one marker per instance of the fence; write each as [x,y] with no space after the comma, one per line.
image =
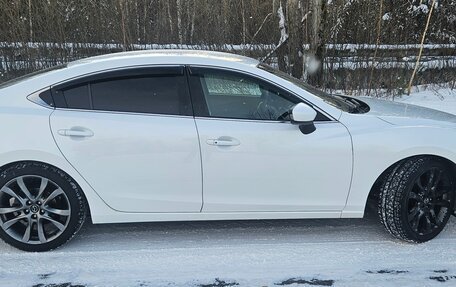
[350,68]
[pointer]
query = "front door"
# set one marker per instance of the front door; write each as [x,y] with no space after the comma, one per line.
[254,159]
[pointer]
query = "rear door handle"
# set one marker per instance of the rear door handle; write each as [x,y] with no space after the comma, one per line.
[76,132]
[223,142]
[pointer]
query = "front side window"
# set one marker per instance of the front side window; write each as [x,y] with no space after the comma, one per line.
[346,104]
[154,91]
[233,95]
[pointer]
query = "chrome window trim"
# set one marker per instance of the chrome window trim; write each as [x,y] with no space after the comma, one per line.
[258,121]
[113,70]
[35,98]
[182,116]
[122,113]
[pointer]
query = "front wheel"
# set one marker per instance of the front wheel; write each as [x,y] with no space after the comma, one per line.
[417,199]
[41,207]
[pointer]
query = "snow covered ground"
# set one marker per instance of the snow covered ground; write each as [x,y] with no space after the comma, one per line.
[443,99]
[251,253]
[345,252]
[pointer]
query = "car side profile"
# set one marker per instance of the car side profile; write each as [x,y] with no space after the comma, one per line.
[195,135]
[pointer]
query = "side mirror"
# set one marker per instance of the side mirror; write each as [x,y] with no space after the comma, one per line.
[304,116]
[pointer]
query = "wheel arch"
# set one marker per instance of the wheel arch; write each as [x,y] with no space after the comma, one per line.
[374,192]
[10,164]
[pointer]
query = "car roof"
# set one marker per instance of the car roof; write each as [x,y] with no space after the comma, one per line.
[36,81]
[171,56]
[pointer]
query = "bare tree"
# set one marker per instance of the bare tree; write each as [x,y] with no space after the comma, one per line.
[295,43]
[317,40]
[179,21]
[123,17]
[377,43]
[279,49]
[170,18]
[244,25]
[30,20]
[338,33]
[192,25]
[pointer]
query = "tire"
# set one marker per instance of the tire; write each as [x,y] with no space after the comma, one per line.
[417,198]
[41,207]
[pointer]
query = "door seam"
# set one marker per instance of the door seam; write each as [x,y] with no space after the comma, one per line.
[186,73]
[201,165]
[77,171]
[352,169]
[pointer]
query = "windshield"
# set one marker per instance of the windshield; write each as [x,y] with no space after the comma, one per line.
[336,101]
[30,76]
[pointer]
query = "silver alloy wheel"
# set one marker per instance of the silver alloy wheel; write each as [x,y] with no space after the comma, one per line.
[33,209]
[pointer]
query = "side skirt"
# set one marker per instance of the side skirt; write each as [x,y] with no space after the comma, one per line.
[120,217]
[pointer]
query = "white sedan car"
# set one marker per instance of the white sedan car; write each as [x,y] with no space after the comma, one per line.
[187,135]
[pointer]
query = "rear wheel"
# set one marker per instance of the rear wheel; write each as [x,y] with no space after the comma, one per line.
[41,207]
[417,199]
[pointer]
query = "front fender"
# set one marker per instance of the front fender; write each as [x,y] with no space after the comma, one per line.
[378,146]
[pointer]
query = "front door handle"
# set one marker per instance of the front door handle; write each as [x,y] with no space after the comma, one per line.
[223,141]
[76,132]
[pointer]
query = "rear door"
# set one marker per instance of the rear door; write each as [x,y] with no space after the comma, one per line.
[132,136]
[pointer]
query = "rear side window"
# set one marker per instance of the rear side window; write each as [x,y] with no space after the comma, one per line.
[77,97]
[157,95]
[153,90]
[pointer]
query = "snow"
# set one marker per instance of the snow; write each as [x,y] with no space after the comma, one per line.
[443,99]
[351,47]
[333,63]
[354,63]
[221,47]
[283,31]
[423,8]
[251,253]
[312,64]
[329,252]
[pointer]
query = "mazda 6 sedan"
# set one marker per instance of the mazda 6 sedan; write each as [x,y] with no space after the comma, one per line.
[187,135]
